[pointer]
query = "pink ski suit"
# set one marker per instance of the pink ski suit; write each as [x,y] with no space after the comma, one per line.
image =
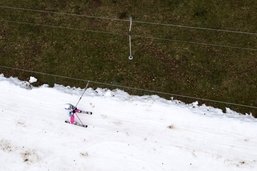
[72,115]
[72,111]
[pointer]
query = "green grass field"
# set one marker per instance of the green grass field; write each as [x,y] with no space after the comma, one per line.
[180,67]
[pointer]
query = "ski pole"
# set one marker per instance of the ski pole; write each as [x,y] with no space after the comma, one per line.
[82,94]
[79,119]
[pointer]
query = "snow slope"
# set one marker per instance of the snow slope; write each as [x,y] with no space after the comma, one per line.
[125,133]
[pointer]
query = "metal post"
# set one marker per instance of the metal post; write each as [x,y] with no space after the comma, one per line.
[130,51]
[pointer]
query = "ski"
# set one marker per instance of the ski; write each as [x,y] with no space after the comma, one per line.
[77,124]
[86,112]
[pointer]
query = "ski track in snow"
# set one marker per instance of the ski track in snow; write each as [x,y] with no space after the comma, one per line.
[125,132]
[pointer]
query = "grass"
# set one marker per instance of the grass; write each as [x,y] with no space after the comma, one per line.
[204,71]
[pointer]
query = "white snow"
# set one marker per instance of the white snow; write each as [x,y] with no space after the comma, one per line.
[32,80]
[125,133]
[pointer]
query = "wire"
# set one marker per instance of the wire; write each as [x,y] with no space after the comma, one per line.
[127,20]
[63,13]
[139,36]
[200,43]
[197,28]
[132,88]
[60,27]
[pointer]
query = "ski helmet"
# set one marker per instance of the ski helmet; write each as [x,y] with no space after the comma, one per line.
[68,106]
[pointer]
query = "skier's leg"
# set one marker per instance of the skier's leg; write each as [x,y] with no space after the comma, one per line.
[72,119]
[78,111]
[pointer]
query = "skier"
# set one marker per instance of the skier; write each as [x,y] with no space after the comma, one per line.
[72,111]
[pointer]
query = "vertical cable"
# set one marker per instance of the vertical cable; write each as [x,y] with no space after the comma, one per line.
[130,51]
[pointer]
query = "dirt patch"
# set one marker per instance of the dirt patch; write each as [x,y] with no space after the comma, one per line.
[241,163]
[29,156]
[85,154]
[171,126]
[6,146]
